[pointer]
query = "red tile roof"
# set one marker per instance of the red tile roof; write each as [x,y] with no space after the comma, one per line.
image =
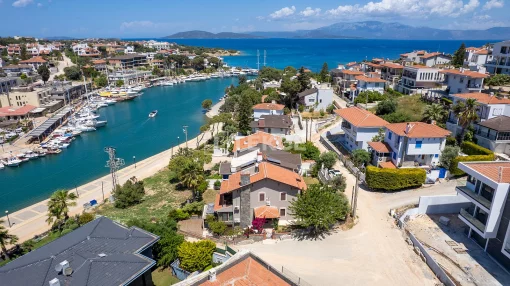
[266,212]
[16,111]
[392,65]
[244,273]
[360,117]
[34,60]
[431,55]
[381,147]
[482,52]
[466,73]
[351,72]
[258,138]
[99,62]
[266,171]
[483,98]
[269,106]
[369,79]
[418,130]
[498,172]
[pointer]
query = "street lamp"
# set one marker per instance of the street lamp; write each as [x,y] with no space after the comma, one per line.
[178,142]
[134,161]
[8,220]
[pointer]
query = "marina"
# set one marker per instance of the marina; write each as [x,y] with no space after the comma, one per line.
[78,148]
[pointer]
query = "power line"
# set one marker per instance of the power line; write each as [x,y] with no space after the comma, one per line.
[114,164]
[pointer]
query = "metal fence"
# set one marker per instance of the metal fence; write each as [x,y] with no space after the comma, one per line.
[294,278]
[344,159]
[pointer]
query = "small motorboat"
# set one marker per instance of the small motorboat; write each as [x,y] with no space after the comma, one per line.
[12,162]
[153,114]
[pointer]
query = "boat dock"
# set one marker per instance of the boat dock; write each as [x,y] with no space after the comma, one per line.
[44,130]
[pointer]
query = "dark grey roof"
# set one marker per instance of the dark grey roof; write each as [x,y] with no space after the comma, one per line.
[307,92]
[272,121]
[81,248]
[127,57]
[283,159]
[500,123]
[225,168]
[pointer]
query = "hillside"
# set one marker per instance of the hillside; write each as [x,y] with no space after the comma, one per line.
[208,35]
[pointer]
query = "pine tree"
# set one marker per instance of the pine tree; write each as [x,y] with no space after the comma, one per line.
[244,114]
[458,56]
[324,74]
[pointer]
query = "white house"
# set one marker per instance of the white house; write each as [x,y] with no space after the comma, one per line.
[412,57]
[475,58]
[129,50]
[489,106]
[463,81]
[267,109]
[487,188]
[391,72]
[500,62]
[157,45]
[433,59]
[78,48]
[494,134]
[369,84]
[319,97]
[420,78]
[359,126]
[415,143]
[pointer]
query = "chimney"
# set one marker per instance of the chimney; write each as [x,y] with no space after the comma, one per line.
[245,179]
[212,275]
[492,94]
[408,128]
[273,101]
[259,157]
[256,168]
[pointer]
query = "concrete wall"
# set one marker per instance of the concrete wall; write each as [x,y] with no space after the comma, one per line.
[442,204]
[259,112]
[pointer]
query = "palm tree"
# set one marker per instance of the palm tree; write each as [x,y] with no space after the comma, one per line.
[58,206]
[191,176]
[6,238]
[434,112]
[467,113]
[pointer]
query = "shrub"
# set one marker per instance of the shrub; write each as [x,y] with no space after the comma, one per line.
[451,141]
[394,179]
[258,224]
[196,256]
[85,218]
[330,109]
[286,111]
[217,227]
[178,215]
[322,113]
[66,231]
[372,97]
[448,155]
[301,108]
[446,101]
[475,152]
[471,148]
[131,193]
[311,109]
[217,185]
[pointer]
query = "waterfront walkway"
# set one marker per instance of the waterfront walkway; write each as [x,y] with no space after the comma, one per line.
[31,220]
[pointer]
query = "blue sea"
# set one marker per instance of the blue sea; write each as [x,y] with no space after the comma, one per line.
[133,134]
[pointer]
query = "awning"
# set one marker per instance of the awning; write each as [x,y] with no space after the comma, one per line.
[266,212]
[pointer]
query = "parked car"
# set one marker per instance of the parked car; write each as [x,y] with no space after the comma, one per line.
[334,173]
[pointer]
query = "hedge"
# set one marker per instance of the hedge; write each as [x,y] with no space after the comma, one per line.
[475,152]
[394,179]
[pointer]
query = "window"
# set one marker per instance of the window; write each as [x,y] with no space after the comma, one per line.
[471,179]
[262,197]
[389,135]
[283,196]
[394,155]
[311,100]
[418,144]
[436,156]
[283,212]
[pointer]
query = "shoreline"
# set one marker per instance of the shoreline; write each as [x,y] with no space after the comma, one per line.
[31,220]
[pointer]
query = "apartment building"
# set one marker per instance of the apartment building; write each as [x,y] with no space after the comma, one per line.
[487,217]
[20,96]
[157,45]
[500,63]
[391,72]
[345,77]
[412,57]
[434,59]
[463,81]
[475,58]
[494,134]
[128,61]
[35,62]
[419,79]
[130,76]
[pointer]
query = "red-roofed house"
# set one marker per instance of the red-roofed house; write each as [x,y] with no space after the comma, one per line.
[267,109]
[391,71]
[463,81]
[475,58]
[254,140]
[359,126]
[264,192]
[13,112]
[433,59]
[419,79]
[369,84]
[36,62]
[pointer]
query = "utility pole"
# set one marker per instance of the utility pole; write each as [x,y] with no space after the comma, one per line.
[258,60]
[306,134]
[114,164]
[185,130]
[264,57]
[355,202]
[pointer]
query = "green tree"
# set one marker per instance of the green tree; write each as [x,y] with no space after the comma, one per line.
[291,88]
[397,117]
[58,207]
[386,107]
[192,175]
[6,239]
[4,53]
[380,136]
[217,227]
[23,76]
[434,112]
[206,104]
[269,74]
[119,83]
[242,79]
[338,183]
[498,80]
[72,73]
[129,194]
[23,53]
[307,150]
[360,157]
[196,256]
[85,218]
[101,81]
[44,72]
[198,63]
[458,56]
[449,153]
[244,113]
[324,74]
[328,159]
[304,79]
[466,112]
[319,207]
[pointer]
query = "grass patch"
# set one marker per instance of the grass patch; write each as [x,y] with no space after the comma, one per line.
[412,106]
[310,180]
[163,277]
[161,197]
[209,196]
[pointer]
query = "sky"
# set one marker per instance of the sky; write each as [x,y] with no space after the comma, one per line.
[159,18]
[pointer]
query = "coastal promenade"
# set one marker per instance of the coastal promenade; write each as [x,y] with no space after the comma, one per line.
[31,221]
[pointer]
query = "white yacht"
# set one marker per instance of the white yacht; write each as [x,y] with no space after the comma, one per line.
[1,166]
[12,162]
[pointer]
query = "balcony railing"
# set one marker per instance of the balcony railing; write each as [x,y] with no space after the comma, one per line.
[486,135]
[483,201]
[472,220]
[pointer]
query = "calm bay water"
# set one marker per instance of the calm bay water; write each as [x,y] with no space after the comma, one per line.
[129,130]
[133,134]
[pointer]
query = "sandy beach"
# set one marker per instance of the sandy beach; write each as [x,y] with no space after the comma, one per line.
[31,221]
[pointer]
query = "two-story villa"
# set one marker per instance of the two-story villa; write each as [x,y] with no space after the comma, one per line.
[318,97]
[369,84]
[262,192]
[463,81]
[433,59]
[345,77]
[391,72]
[475,58]
[489,106]
[419,77]
[267,109]
[500,63]
[415,143]
[359,126]
[253,141]
[488,216]
[494,134]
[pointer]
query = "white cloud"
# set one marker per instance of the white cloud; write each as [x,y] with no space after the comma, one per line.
[309,11]
[284,12]
[407,8]
[137,25]
[22,3]
[39,4]
[493,4]
[481,17]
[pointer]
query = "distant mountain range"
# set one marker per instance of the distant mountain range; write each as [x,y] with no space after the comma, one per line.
[58,38]
[365,30]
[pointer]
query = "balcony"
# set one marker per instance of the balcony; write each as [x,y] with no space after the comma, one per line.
[472,221]
[474,86]
[474,196]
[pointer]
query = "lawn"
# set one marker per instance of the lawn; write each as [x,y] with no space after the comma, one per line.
[209,196]
[161,197]
[411,105]
[311,180]
[163,277]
